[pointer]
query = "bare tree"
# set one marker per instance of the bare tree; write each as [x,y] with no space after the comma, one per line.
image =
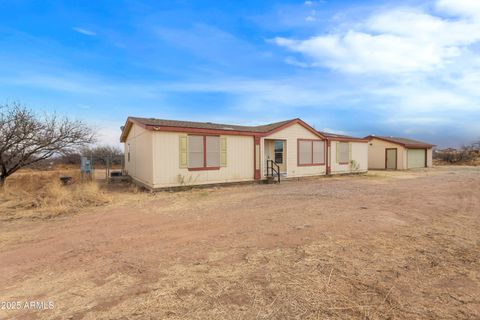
[103,151]
[26,138]
[99,153]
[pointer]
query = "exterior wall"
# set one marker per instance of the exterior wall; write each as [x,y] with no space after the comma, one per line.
[430,158]
[155,158]
[167,171]
[290,135]
[376,154]
[359,156]
[140,165]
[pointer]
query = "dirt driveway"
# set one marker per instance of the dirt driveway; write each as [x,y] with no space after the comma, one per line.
[382,246]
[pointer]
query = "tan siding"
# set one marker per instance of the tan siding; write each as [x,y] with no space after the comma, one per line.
[376,154]
[429,158]
[359,155]
[141,160]
[291,134]
[239,166]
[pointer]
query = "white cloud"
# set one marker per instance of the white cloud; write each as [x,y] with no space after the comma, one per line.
[293,61]
[468,8]
[396,41]
[84,31]
[108,134]
[313,3]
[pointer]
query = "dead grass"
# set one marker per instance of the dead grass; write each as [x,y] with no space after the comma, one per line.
[389,245]
[40,194]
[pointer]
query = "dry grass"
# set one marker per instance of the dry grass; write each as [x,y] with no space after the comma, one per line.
[473,162]
[410,251]
[40,194]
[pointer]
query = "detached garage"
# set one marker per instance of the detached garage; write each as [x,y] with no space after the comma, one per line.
[393,153]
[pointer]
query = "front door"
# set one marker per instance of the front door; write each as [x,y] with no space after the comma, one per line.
[279,154]
[391,159]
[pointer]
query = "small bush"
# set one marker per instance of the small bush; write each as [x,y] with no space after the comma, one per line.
[464,155]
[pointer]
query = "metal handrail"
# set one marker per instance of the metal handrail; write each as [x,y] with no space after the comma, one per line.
[270,165]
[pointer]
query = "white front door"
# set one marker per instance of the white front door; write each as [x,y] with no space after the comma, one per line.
[275,150]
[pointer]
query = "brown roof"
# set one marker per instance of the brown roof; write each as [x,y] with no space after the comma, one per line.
[408,143]
[199,127]
[341,136]
[209,125]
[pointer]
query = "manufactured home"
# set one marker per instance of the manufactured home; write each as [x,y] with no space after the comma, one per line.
[168,153]
[393,153]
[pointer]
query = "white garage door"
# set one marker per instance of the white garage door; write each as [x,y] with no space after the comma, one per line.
[416,158]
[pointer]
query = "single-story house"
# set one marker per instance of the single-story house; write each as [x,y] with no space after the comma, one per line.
[395,153]
[168,153]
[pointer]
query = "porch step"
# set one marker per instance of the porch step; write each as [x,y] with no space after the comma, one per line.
[271,180]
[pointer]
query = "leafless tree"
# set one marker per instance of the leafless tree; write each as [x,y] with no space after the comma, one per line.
[26,138]
[99,153]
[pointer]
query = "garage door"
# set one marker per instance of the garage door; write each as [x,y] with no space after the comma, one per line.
[416,158]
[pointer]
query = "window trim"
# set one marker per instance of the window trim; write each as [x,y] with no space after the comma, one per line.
[322,163]
[204,153]
[339,152]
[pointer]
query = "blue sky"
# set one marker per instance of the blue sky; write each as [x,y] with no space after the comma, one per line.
[354,67]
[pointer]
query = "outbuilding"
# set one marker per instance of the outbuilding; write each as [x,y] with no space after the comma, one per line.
[394,153]
[163,153]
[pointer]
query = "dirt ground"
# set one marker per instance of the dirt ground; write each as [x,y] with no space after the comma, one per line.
[388,245]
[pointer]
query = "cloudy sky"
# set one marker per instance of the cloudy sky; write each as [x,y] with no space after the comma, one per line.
[405,68]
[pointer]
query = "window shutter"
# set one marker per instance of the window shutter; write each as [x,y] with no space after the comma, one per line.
[183,149]
[349,151]
[337,149]
[223,151]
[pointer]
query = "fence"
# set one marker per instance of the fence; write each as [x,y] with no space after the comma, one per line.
[102,167]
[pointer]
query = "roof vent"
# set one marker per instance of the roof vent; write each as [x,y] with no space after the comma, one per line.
[227,128]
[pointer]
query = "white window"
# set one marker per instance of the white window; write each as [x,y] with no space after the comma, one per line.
[203,152]
[311,152]
[343,152]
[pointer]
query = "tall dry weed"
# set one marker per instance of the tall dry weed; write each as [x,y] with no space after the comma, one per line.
[42,195]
